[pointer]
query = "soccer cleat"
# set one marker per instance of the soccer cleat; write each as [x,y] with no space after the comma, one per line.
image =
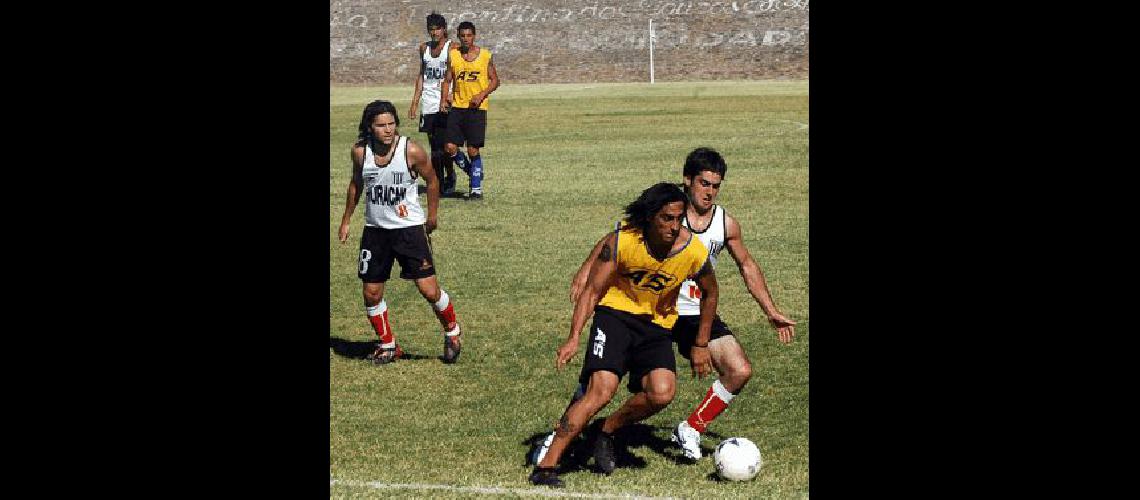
[689,440]
[475,197]
[545,476]
[451,346]
[383,356]
[541,449]
[604,458]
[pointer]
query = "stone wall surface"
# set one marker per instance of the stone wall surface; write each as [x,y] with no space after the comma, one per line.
[545,41]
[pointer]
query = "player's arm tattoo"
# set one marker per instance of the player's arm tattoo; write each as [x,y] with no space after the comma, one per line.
[606,254]
[564,424]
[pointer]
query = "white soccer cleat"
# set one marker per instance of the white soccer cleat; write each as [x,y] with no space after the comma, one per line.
[541,450]
[689,440]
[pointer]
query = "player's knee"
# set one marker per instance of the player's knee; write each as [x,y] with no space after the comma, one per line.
[601,388]
[431,295]
[372,297]
[744,372]
[737,374]
[661,399]
[660,395]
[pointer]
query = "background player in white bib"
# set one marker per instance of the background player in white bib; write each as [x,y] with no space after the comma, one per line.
[385,167]
[703,173]
[433,121]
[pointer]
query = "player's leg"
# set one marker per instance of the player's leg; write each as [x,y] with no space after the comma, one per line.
[413,252]
[455,138]
[436,129]
[444,309]
[475,130]
[658,388]
[600,390]
[653,382]
[602,369]
[476,179]
[375,262]
[543,446]
[734,371]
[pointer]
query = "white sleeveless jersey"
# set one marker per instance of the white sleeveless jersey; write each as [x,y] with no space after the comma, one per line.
[434,69]
[391,192]
[689,300]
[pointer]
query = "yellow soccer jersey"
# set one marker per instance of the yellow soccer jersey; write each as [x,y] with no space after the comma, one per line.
[470,77]
[649,286]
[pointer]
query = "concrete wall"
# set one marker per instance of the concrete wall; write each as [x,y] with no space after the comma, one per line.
[545,41]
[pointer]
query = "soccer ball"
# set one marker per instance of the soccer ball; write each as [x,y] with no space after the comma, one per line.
[737,459]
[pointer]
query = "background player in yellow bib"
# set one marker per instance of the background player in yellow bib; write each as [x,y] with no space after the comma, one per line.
[471,77]
[632,292]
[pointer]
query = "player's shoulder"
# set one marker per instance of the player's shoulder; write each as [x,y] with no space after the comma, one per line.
[695,244]
[731,225]
[358,151]
[413,146]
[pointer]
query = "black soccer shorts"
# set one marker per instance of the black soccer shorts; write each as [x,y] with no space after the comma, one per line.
[622,343]
[435,126]
[466,125]
[380,247]
[685,332]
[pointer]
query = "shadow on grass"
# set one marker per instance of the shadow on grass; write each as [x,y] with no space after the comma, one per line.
[360,350]
[579,454]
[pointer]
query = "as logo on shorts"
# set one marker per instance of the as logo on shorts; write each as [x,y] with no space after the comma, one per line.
[599,343]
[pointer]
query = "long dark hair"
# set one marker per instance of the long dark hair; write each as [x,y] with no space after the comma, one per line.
[377,107]
[641,211]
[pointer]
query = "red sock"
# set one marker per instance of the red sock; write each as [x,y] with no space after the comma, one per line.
[445,311]
[378,316]
[715,401]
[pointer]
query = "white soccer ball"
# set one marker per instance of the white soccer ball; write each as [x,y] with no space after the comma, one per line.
[737,459]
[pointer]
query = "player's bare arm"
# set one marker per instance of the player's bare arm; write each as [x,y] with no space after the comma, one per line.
[419,82]
[578,283]
[492,84]
[419,162]
[353,194]
[754,280]
[445,89]
[603,273]
[699,356]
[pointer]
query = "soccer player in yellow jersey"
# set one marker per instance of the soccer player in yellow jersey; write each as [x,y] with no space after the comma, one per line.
[471,77]
[703,172]
[632,291]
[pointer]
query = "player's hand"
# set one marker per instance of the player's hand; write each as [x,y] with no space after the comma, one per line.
[566,353]
[476,101]
[412,111]
[343,233]
[430,225]
[444,103]
[785,328]
[700,361]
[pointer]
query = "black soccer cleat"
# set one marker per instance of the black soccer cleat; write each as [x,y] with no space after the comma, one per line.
[383,356]
[545,476]
[604,459]
[451,348]
[475,197]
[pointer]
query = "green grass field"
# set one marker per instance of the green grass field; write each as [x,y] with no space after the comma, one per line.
[561,161]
